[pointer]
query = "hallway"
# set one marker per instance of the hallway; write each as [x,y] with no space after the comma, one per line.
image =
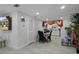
[54,47]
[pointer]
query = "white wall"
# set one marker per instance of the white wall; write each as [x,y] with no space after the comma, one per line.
[11,36]
[20,35]
[40,25]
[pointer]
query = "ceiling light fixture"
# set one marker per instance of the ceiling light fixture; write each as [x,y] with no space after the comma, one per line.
[62,7]
[16,5]
[37,13]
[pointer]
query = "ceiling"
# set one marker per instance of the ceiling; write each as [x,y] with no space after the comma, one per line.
[51,11]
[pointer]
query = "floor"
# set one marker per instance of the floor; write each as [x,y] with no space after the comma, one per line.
[54,47]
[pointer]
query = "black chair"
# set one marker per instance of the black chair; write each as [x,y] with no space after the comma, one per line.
[41,37]
[49,37]
[46,30]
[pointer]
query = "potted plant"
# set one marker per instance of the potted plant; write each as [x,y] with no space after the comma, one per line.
[75,24]
[77,37]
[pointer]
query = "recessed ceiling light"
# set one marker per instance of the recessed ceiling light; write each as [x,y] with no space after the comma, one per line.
[62,7]
[37,13]
[22,16]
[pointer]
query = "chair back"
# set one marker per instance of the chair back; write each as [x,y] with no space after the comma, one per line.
[49,37]
[41,36]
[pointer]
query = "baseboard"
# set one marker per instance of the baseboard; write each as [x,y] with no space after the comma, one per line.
[21,46]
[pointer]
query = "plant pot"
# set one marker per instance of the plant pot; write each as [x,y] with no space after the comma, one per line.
[77,50]
[77,47]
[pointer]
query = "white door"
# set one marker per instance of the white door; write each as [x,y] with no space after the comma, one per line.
[31,30]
